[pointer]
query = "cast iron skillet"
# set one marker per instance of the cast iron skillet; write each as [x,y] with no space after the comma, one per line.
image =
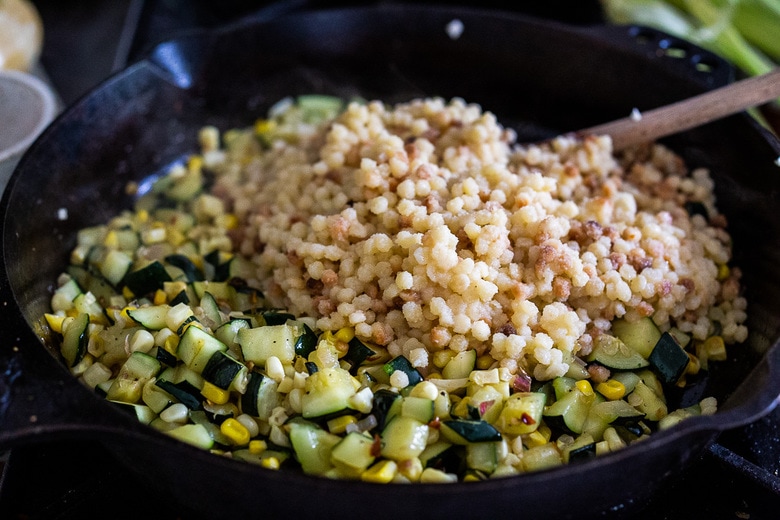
[541,77]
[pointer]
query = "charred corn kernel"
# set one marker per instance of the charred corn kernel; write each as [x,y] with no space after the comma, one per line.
[612,389]
[485,361]
[112,240]
[55,322]
[693,366]
[715,348]
[264,126]
[160,297]
[235,431]
[216,394]
[380,473]
[584,386]
[345,334]
[270,462]
[339,424]
[723,272]
[257,446]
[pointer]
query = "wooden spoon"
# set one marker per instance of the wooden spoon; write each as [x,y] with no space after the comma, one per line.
[689,113]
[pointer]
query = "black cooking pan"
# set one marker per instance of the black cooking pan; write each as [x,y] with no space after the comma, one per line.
[541,78]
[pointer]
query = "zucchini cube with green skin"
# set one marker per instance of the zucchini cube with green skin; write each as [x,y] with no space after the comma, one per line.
[461,365]
[326,391]
[197,347]
[404,438]
[522,413]
[649,402]
[570,411]
[134,374]
[75,340]
[312,446]
[260,343]
[668,359]
[419,408]
[482,456]
[608,413]
[465,431]
[353,454]
[613,353]
[640,336]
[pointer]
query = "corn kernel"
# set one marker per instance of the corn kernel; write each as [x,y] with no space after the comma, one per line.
[536,438]
[160,297]
[112,240]
[257,446]
[142,216]
[270,462]
[612,389]
[215,394]
[195,163]
[171,343]
[235,431]
[339,424]
[345,334]
[127,293]
[380,473]
[693,366]
[584,386]
[227,221]
[264,126]
[715,348]
[55,322]
[485,361]
[723,272]
[471,477]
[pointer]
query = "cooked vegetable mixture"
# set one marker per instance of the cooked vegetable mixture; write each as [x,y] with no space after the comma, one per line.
[404,294]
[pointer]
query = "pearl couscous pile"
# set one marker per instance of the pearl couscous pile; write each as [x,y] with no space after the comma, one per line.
[429,231]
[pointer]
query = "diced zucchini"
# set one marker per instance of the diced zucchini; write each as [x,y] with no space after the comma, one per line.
[194,434]
[211,310]
[260,397]
[419,408]
[155,397]
[404,438]
[306,342]
[357,354]
[640,336]
[613,353]
[327,391]
[228,331]
[115,266]
[260,343]
[196,348]
[464,431]
[134,374]
[353,454]
[542,457]
[609,413]
[668,359]
[312,446]
[402,363]
[482,456]
[386,405]
[142,413]
[522,413]
[570,411]
[444,456]
[225,372]
[147,279]
[190,270]
[151,317]
[75,340]
[582,449]
[184,391]
[649,402]
[461,365]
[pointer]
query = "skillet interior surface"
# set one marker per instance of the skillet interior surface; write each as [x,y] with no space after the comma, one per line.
[146,117]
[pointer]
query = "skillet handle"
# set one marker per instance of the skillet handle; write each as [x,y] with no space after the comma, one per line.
[40,401]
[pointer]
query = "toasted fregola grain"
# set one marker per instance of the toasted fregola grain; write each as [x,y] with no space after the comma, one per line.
[426,228]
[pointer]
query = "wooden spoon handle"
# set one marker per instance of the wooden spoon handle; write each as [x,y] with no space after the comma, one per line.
[691,112]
